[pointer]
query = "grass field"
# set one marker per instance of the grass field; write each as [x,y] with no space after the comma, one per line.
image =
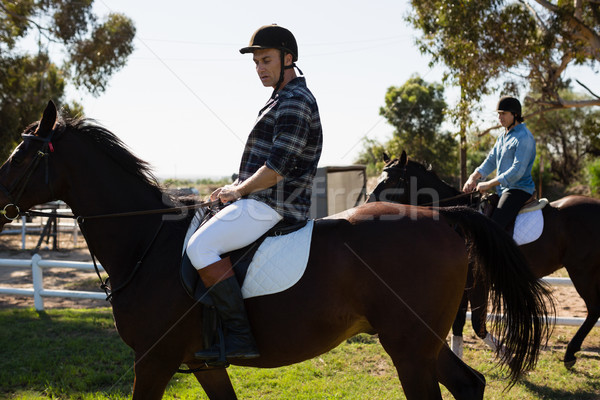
[77,354]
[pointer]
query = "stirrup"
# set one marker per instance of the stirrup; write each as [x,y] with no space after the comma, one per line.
[220,361]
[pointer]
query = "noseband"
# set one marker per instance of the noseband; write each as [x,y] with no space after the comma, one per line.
[21,183]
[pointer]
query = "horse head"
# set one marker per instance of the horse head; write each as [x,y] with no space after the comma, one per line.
[409,182]
[25,177]
[391,185]
[56,156]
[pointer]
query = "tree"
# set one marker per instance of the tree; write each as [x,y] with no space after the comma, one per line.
[416,111]
[502,45]
[93,52]
[569,138]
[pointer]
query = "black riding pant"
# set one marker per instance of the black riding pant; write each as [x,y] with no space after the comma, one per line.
[509,205]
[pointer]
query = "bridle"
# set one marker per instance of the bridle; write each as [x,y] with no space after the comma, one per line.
[21,183]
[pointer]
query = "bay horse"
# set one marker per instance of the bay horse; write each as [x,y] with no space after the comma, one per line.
[393,187]
[388,269]
[570,237]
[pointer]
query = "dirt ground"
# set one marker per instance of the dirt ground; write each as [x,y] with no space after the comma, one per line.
[568,302]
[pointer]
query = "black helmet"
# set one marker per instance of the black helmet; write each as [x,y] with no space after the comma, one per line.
[272,37]
[510,104]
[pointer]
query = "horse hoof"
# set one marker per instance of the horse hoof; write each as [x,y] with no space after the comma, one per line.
[569,363]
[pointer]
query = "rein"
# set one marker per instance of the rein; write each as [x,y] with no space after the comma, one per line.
[206,204]
[105,283]
[23,180]
[446,200]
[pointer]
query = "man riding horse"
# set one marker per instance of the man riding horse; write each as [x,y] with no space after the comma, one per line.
[512,157]
[275,183]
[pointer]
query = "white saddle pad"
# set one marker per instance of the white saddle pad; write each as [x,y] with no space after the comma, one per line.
[528,227]
[278,264]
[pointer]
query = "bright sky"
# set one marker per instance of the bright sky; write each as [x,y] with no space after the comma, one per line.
[187,98]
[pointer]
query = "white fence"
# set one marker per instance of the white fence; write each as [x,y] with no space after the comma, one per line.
[564,321]
[37,291]
[37,264]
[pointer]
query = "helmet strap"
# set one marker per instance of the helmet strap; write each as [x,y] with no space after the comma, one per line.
[513,123]
[282,73]
[295,66]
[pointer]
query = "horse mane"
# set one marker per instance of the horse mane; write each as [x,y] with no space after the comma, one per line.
[103,139]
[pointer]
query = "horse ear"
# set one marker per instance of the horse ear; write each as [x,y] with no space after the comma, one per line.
[386,158]
[403,158]
[48,120]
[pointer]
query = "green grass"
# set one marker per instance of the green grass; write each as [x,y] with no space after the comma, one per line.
[62,354]
[77,354]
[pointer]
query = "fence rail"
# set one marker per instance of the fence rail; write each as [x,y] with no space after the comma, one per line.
[37,264]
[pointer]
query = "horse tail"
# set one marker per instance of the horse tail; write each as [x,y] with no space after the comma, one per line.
[525,302]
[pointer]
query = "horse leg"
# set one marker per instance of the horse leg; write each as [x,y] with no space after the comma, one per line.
[416,371]
[216,384]
[151,379]
[575,344]
[462,381]
[589,291]
[478,297]
[456,341]
[418,379]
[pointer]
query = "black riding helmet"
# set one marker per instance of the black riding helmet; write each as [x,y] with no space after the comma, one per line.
[274,37]
[512,105]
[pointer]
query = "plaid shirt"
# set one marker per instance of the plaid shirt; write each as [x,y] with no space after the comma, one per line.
[287,138]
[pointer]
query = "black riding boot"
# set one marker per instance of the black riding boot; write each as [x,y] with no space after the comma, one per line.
[227,298]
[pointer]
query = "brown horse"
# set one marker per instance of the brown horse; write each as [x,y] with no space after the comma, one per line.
[570,237]
[389,269]
[428,190]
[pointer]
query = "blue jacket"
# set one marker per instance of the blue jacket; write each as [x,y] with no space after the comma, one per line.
[512,157]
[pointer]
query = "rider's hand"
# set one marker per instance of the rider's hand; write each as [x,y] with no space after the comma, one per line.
[483,187]
[469,185]
[226,194]
[215,195]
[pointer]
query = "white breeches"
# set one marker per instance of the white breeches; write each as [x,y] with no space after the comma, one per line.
[235,226]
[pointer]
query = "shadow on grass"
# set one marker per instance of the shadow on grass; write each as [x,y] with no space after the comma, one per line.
[544,392]
[63,353]
[589,392]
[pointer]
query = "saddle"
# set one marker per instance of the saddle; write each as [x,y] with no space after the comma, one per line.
[489,203]
[240,260]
